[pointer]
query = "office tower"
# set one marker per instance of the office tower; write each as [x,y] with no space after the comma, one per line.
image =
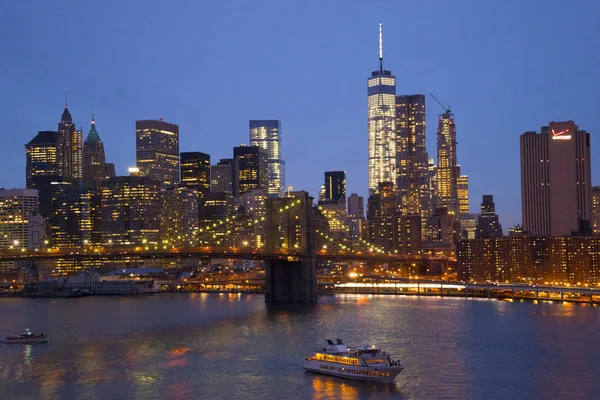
[468,226]
[407,234]
[441,231]
[381,208]
[412,180]
[21,225]
[556,180]
[266,134]
[252,168]
[356,217]
[110,170]
[381,124]
[255,204]
[488,226]
[432,175]
[18,211]
[69,149]
[179,217]
[130,210]
[596,210]
[157,150]
[447,169]
[356,205]
[71,221]
[222,178]
[195,171]
[335,187]
[462,189]
[94,159]
[40,157]
[213,209]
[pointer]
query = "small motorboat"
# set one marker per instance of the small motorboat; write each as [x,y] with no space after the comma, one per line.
[27,338]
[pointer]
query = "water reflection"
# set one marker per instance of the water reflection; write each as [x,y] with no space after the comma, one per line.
[219,346]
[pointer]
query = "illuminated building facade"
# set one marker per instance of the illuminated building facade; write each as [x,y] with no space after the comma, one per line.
[71,222]
[596,210]
[223,178]
[407,234]
[21,225]
[255,205]
[157,150]
[356,218]
[17,208]
[94,159]
[530,258]
[441,232]
[381,108]
[179,217]
[213,209]
[40,157]
[335,187]
[381,208]
[195,171]
[447,169]
[130,210]
[462,188]
[252,168]
[556,180]
[412,182]
[266,134]
[488,226]
[69,149]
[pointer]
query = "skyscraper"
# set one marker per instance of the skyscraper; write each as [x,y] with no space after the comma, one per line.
[266,134]
[40,157]
[381,105]
[179,216]
[412,180]
[94,159]
[596,210]
[69,149]
[488,226]
[252,168]
[157,150]
[130,210]
[462,188]
[447,169]
[21,225]
[335,187]
[195,171]
[556,180]
[222,178]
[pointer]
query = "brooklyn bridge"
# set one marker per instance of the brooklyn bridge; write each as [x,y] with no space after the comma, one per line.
[295,244]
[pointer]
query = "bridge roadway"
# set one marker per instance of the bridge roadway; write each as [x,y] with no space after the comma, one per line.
[229,253]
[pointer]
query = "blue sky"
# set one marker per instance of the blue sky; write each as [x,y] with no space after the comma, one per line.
[210,66]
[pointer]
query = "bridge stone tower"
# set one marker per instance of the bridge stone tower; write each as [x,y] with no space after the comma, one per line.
[290,232]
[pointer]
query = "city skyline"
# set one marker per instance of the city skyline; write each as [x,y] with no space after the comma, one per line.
[312,133]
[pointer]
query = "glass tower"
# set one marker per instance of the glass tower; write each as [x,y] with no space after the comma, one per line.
[412,184]
[447,169]
[266,134]
[381,90]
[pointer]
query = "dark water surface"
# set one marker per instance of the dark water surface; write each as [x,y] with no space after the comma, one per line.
[210,346]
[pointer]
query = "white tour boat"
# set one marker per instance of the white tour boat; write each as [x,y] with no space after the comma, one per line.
[365,363]
[27,338]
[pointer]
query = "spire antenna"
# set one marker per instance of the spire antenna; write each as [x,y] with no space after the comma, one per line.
[66,104]
[380,47]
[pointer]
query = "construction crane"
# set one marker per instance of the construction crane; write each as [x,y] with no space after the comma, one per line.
[446,108]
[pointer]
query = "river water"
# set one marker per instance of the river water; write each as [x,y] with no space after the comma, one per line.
[221,346]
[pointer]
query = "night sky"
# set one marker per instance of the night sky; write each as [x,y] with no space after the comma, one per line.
[210,66]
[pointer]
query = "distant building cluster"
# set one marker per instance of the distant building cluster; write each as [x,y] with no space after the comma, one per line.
[416,205]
